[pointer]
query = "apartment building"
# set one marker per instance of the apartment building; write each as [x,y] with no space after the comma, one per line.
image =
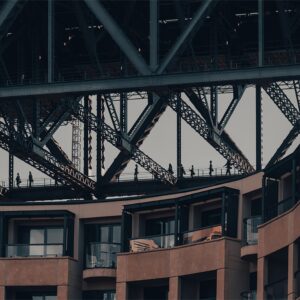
[239,239]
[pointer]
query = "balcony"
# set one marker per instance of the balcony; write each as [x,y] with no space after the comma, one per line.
[102,255]
[202,234]
[34,250]
[248,295]
[277,289]
[152,242]
[250,230]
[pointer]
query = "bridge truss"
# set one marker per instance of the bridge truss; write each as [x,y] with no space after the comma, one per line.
[56,55]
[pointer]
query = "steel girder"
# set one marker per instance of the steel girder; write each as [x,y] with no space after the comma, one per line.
[283,102]
[297,91]
[112,112]
[122,143]
[287,142]
[218,142]
[156,81]
[43,160]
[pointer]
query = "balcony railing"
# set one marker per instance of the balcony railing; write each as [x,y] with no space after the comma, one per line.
[152,242]
[202,234]
[250,230]
[248,295]
[27,250]
[102,255]
[277,289]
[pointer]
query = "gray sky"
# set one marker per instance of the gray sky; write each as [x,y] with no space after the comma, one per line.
[161,143]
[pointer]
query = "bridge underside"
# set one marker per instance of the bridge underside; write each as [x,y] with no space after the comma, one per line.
[62,61]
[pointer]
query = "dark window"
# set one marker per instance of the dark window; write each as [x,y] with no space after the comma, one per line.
[160,226]
[103,233]
[211,217]
[156,293]
[99,295]
[208,289]
[253,281]
[35,296]
[256,207]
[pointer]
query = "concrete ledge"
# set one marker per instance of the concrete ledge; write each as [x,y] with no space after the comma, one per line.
[249,250]
[98,272]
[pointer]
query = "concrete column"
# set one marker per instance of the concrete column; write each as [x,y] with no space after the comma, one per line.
[174,288]
[292,265]
[2,292]
[62,292]
[262,268]
[221,286]
[121,291]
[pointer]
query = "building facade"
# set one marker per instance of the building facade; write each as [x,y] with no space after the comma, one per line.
[235,240]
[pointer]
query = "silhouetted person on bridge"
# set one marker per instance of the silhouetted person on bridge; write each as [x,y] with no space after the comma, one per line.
[181,171]
[192,171]
[170,169]
[228,167]
[30,179]
[18,180]
[136,172]
[211,169]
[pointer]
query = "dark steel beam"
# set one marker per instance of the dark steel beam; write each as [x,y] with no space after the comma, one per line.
[287,142]
[218,142]
[214,104]
[297,91]
[112,112]
[238,92]
[178,115]
[261,32]
[124,145]
[154,34]
[50,59]
[188,33]
[118,36]
[220,78]
[86,137]
[124,112]
[258,128]
[100,140]
[281,100]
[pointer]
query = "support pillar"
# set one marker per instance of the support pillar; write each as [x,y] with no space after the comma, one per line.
[86,138]
[294,180]
[100,139]
[292,267]
[2,292]
[179,175]
[122,291]
[221,284]
[62,292]
[261,45]
[174,288]
[262,268]
[214,104]
[258,128]
[10,170]
[123,112]
[50,40]
[153,34]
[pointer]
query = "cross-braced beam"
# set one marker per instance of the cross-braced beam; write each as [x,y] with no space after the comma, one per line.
[124,145]
[283,102]
[218,142]
[43,160]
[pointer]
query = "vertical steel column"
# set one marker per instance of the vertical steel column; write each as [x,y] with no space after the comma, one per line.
[50,40]
[123,112]
[261,29]
[100,139]
[153,34]
[214,104]
[294,179]
[10,170]
[179,173]
[86,137]
[36,117]
[65,232]
[177,230]
[258,128]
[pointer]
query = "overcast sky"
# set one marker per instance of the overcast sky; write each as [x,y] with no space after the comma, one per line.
[161,143]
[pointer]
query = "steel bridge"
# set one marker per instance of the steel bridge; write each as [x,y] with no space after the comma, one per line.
[56,57]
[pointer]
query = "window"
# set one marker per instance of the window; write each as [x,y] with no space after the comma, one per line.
[102,243]
[99,295]
[211,217]
[160,226]
[42,241]
[24,295]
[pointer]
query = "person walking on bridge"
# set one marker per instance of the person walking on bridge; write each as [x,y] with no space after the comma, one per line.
[228,167]
[18,180]
[136,172]
[30,179]
[211,169]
